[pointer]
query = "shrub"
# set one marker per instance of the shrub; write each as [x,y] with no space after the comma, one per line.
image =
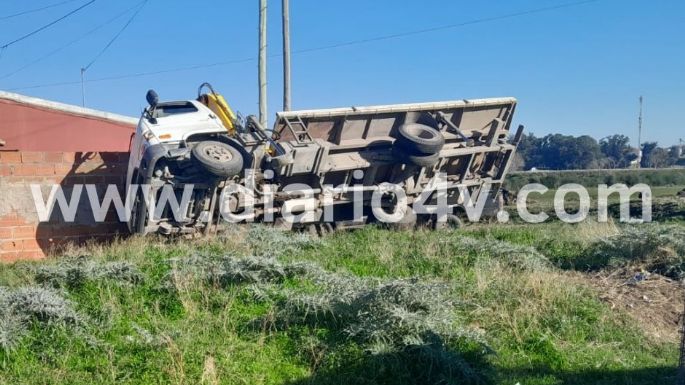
[272,242]
[486,251]
[659,248]
[22,307]
[406,316]
[229,270]
[74,272]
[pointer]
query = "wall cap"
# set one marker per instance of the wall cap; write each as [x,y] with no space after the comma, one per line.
[67,108]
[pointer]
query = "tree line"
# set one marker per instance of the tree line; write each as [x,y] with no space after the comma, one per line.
[566,152]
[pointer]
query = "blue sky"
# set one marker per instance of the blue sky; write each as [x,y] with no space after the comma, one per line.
[575,70]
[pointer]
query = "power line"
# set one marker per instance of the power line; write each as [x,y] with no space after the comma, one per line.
[321,48]
[109,44]
[448,26]
[104,49]
[35,10]
[47,25]
[72,42]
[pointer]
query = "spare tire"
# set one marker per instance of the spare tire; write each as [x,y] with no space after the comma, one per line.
[422,160]
[218,158]
[420,138]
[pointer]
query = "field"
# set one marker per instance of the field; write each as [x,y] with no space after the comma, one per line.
[554,179]
[529,304]
[666,206]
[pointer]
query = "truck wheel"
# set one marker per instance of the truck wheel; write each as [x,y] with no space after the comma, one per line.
[419,138]
[453,222]
[139,213]
[218,158]
[419,160]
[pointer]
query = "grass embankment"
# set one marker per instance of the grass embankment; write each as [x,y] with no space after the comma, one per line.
[489,305]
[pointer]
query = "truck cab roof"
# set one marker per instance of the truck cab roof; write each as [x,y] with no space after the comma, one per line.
[177,120]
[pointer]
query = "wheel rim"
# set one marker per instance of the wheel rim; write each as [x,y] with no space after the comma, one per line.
[218,153]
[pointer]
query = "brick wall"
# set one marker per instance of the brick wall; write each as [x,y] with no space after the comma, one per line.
[22,236]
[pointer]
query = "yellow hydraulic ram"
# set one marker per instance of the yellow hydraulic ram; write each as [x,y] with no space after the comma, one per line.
[219,106]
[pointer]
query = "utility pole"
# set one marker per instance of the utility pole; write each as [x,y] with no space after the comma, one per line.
[639,126]
[639,135]
[262,63]
[286,55]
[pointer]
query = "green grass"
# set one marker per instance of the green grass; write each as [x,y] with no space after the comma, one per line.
[547,199]
[543,325]
[554,179]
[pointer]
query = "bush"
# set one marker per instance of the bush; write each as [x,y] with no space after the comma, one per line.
[405,316]
[269,241]
[22,307]
[515,256]
[657,248]
[74,272]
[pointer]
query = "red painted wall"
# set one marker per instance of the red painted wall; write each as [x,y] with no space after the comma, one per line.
[32,128]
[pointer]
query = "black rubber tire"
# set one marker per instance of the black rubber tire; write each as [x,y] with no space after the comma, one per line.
[420,139]
[218,158]
[405,156]
[452,222]
[139,213]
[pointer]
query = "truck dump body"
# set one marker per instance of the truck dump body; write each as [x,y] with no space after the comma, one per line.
[314,160]
[330,144]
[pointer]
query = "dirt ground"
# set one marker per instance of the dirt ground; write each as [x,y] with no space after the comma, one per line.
[655,301]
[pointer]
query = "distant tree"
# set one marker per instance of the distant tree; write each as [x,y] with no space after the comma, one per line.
[561,152]
[564,152]
[674,154]
[617,150]
[659,158]
[647,149]
[528,149]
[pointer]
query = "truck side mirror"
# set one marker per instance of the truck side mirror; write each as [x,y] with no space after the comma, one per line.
[152,98]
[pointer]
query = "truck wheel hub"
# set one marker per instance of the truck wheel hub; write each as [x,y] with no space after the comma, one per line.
[218,153]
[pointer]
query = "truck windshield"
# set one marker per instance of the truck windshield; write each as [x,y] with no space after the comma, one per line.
[174,108]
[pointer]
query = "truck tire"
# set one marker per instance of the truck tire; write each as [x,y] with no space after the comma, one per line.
[421,160]
[453,222]
[419,139]
[139,212]
[218,158]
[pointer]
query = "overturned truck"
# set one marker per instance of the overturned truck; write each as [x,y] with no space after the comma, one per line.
[195,164]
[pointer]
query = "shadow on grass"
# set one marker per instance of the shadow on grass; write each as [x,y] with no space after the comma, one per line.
[400,369]
[656,375]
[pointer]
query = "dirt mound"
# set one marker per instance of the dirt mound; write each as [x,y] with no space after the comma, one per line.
[655,301]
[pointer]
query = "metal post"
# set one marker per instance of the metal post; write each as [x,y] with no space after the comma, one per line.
[639,135]
[262,63]
[639,132]
[83,88]
[286,55]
